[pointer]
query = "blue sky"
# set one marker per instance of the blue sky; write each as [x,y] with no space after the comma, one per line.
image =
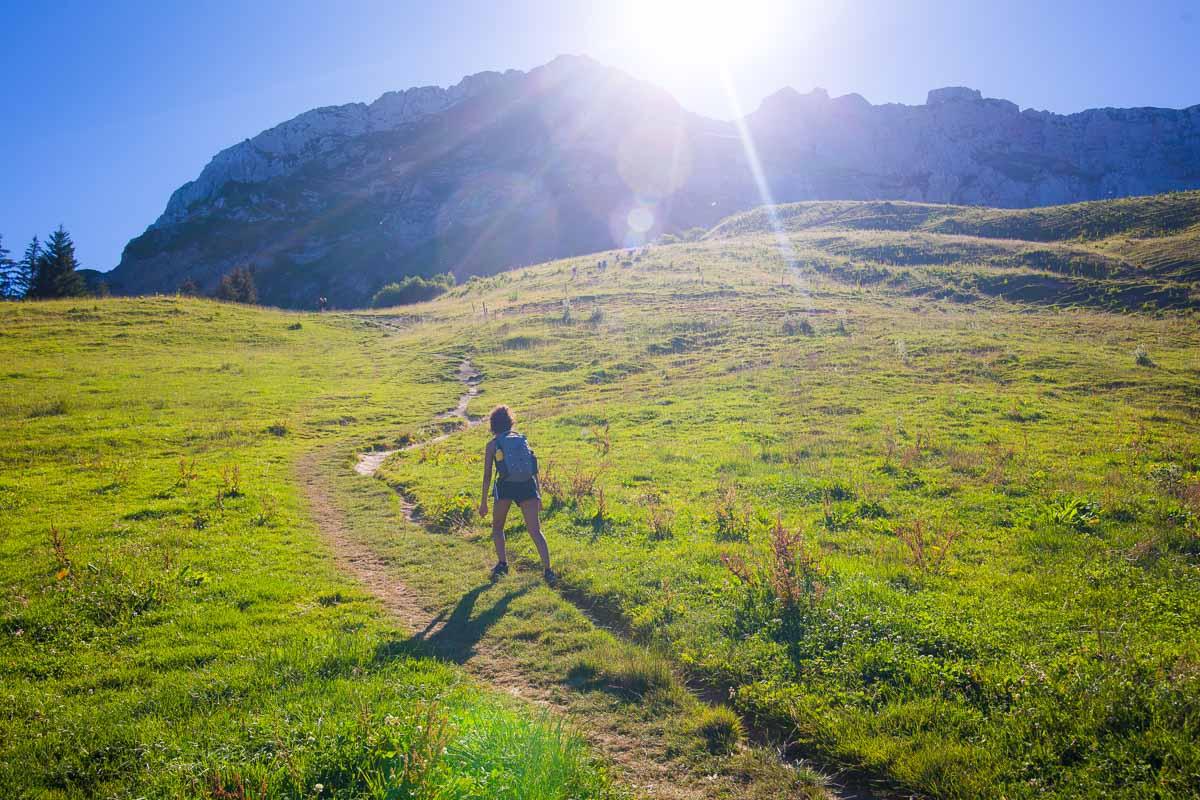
[108,107]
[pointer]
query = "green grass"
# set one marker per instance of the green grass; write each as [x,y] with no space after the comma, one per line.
[720,728]
[944,535]
[1118,254]
[172,624]
[1144,217]
[1000,500]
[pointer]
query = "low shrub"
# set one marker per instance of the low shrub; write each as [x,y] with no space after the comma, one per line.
[413,289]
[793,326]
[237,286]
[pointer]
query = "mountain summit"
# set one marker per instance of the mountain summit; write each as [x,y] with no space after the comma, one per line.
[510,168]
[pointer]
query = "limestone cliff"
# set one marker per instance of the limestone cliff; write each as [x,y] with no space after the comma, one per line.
[509,168]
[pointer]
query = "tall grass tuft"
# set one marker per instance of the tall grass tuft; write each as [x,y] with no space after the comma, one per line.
[661,517]
[630,673]
[582,484]
[407,754]
[48,408]
[926,547]
[62,559]
[733,514]
[720,728]
[794,573]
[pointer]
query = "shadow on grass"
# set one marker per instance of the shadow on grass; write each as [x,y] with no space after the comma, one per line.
[454,636]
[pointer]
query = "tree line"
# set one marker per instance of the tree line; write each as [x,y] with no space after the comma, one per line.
[46,270]
[50,269]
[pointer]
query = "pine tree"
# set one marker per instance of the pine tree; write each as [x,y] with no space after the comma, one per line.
[7,271]
[55,275]
[23,272]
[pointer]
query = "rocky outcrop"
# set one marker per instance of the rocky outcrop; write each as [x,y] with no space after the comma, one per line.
[508,168]
[963,148]
[317,135]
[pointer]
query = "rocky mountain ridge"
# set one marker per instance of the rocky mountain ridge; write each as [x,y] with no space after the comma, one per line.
[317,134]
[572,157]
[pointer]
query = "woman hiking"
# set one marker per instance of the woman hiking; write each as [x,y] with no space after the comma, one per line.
[515,483]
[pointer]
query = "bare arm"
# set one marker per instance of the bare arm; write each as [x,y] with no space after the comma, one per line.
[488,455]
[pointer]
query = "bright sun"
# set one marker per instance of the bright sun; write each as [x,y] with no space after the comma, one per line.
[701,31]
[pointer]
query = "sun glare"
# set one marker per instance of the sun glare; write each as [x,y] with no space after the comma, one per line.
[701,31]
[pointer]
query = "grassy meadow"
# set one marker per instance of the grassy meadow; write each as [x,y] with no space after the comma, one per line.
[950,543]
[172,625]
[901,519]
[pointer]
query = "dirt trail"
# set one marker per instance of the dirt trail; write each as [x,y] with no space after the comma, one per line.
[643,765]
[641,758]
[370,462]
[642,762]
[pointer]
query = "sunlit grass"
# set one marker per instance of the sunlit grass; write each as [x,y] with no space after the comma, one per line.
[172,624]
[999,493]
[985,584]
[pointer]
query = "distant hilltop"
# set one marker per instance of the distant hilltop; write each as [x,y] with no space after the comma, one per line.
[511,168]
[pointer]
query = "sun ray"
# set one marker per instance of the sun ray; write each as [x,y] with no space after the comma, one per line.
[786,251]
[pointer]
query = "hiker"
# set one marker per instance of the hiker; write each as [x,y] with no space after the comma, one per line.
[516,483]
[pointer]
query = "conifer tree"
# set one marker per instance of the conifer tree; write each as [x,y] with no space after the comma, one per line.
[55,274]
[23,272]
[7,271]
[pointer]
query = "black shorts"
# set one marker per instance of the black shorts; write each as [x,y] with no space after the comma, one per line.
[517,491]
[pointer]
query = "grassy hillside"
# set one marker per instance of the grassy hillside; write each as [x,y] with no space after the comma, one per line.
[921,505]
[952,544]
[171,624]
[1149,216]
[1144,248]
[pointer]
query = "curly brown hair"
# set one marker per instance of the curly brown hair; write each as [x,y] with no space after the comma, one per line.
[501,420]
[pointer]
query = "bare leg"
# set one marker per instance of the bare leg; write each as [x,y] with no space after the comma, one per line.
[499,515]
[530,509]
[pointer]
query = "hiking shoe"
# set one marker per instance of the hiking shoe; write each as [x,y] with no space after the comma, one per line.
[500,570]
[551,577]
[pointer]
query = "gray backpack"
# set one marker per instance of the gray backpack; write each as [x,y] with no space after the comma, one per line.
[515,460]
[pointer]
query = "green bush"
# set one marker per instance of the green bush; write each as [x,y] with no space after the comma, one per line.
[794,326]
[237,286]
[413,289]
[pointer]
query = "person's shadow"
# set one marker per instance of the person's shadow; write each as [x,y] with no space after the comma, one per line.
[461,630]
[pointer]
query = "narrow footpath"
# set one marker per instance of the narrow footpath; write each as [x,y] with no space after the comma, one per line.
[643,758]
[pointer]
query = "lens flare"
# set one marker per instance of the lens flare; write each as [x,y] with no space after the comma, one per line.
[640,219]
[654,158]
